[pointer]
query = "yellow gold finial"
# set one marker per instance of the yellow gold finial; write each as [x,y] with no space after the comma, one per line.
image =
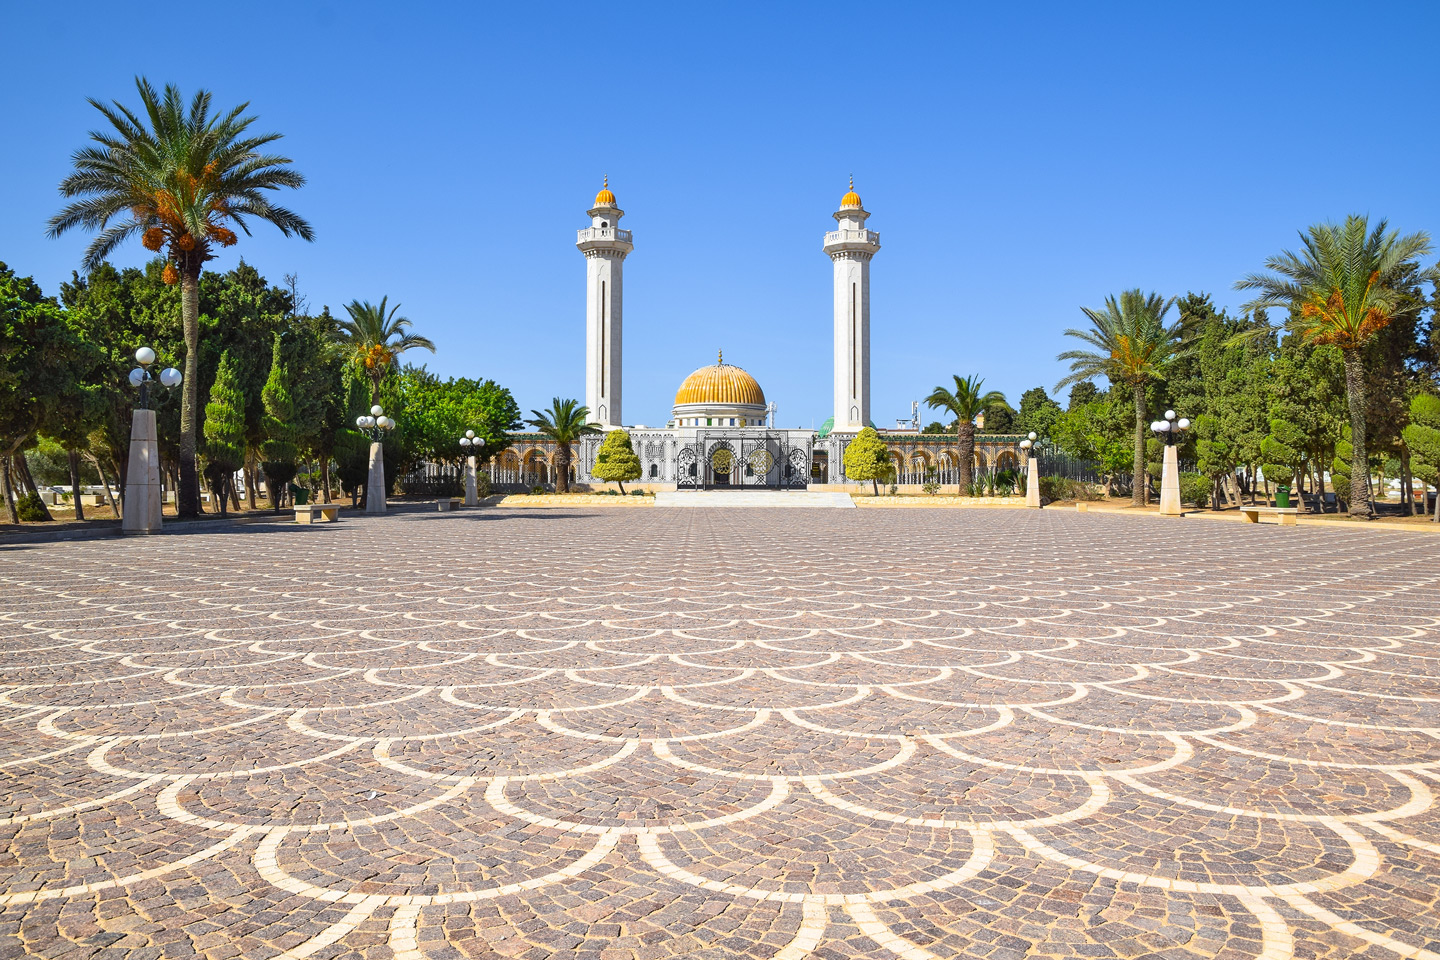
[852,181]
[605,198]
[721,359]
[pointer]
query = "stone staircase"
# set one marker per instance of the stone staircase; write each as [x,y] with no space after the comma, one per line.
[747,499]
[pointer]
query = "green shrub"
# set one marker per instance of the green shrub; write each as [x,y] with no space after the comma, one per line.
[1195,489]
[31,508]
[1063,488]
[637,493]
[930,487]
[536,490]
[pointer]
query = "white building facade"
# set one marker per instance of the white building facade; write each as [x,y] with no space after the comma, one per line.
[717,435]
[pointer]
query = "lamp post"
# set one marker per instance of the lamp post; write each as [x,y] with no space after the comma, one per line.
[375,426]
[1169,430]
[1032,471]
[144,501]
[469,442]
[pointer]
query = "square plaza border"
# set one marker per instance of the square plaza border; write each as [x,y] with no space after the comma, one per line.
[610,734]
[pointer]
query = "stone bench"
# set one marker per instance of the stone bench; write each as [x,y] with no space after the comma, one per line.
[452,503]
[317,512]
[1284,515]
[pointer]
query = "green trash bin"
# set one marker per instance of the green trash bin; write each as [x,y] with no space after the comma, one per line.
[1282,495]
[301,495]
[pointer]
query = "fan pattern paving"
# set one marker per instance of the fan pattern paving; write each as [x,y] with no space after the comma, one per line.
[717,734]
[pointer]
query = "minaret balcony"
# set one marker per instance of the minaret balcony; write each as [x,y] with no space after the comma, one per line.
[840,241]
[604,238]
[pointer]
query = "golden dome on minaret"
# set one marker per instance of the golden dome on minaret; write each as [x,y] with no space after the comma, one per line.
[605,198]
[722,383]
[851,199]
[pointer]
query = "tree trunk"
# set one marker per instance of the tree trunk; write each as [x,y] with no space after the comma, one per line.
[562,469]
[1140,495]
[1407,480]
[325,475]
[74,457]
[965,443]
[23,466]
[189,494]
[1360,505]
[105,485]
[9,489]
[1320,486]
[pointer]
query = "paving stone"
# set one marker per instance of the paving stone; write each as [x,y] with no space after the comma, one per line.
[587,735]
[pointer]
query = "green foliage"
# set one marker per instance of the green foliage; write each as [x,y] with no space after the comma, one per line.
[279,447]
[1422,436]
[1064,488]
[1098,430]
[936,427]
[966,402]
[866,458]
[1340,466]
[225,419]
[374,338]
[1038,412]
[1283,452]
[999,418]
[31,509]
[1195,489]
[616,460]
[434,414]
[565,422]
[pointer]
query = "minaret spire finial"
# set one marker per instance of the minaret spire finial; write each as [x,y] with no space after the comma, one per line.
[852,181]
[721,359]
[607,180]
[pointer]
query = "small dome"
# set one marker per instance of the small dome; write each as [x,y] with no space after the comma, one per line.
[851,199]
[605,198]
[721,383]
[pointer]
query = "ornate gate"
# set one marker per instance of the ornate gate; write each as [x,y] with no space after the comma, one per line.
[748,460]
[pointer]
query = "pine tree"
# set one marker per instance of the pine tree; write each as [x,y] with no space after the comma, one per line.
[279,447]
[616,460]
[224,429]
[1422,436]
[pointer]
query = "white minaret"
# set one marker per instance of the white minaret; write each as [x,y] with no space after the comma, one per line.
[851,247]
[605,246]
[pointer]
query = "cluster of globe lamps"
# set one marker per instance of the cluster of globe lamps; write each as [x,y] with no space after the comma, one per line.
[1170,428]
[142,377]
[376,423]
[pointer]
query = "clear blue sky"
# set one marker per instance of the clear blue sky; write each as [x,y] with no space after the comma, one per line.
[1020,160]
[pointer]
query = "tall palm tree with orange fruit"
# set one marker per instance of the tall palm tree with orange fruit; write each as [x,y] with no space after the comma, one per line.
[179,178]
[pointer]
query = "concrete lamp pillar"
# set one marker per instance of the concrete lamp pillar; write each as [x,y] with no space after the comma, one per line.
[143,498]
[1032,482]
[471,497]
[1170,505]
[375,480]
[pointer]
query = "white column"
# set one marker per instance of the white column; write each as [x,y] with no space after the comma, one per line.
[1032,482]
[471,499]
[375,480]
[851,248]
[143,497]
[605,246]
[604,335]
[1170,505]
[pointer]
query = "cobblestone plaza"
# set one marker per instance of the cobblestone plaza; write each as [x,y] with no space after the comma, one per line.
[622,734]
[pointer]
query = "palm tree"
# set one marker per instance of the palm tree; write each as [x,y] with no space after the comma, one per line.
[376,338]
[176,177]
[565,422]
[1340,290]
[1134,346]
[966,402]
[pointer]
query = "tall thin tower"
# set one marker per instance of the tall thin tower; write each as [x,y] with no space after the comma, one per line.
[850,248]
[605,247]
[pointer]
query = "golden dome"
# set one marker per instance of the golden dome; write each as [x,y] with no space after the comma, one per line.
[605,198]
[721,383]
[851,199]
